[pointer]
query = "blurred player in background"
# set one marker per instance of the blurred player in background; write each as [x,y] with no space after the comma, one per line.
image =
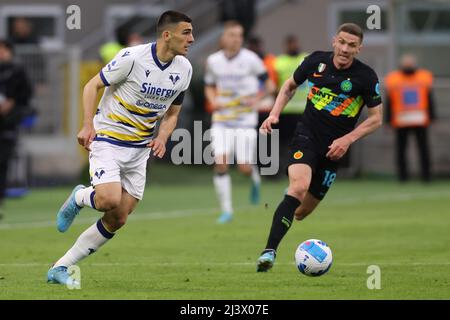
[340,85]
[15,95]
[410,110]
[232,79]
[143,84]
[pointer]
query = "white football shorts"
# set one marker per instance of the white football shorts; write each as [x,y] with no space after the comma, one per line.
[234,142]
[112,163]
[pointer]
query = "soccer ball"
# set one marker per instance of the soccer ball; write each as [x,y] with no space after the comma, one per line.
[313,257]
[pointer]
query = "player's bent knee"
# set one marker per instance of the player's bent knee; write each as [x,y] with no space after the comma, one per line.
[298,190]
[221,168]
[302,213]
[245,169]
[105,202]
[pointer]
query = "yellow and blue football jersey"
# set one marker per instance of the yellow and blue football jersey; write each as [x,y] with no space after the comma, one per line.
[139,90]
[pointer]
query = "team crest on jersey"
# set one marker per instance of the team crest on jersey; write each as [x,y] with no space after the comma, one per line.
[99,173]
[321,67]
[174,77]
[298,155]
[346,85]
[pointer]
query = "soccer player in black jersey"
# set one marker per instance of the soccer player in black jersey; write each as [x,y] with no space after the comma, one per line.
[340,85]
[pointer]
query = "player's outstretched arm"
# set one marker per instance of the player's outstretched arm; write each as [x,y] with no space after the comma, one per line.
[168,124]
[90,91]
[286,93]
[340,146]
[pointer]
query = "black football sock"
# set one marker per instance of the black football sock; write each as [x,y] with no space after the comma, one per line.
[282,221]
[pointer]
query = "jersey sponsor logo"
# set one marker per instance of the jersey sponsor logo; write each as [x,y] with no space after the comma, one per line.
[298,155]
[147,72]
[127,53]
[174,77]
[336,104]
[153,92]
[150,105]
[321,67]
[325,94]
[346,85]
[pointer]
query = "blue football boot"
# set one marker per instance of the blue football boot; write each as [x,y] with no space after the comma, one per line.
[68,211]
[265,261]
[225,218]
[255,193]
[59,275]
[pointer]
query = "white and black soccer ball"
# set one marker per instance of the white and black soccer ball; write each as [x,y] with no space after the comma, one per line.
[313,257]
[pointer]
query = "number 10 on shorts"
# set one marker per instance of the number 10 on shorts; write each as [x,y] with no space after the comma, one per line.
[329,178]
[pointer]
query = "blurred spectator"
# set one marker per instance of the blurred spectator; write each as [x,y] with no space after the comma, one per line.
[242,11]
[285,65]
[410,109]
[124,38]
[109,50]
[22,32]
[134,39]
[15,94]
[256,45]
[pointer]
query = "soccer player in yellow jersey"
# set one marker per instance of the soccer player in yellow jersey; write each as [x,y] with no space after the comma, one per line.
[236,80]
[144,84]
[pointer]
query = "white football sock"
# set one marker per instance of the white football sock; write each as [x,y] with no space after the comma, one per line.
[222,184]
[256,178]
[88,242]
[85,197]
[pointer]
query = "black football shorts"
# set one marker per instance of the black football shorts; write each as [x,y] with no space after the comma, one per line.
[306,149]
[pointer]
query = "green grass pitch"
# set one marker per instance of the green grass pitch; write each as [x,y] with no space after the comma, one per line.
[171,247]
